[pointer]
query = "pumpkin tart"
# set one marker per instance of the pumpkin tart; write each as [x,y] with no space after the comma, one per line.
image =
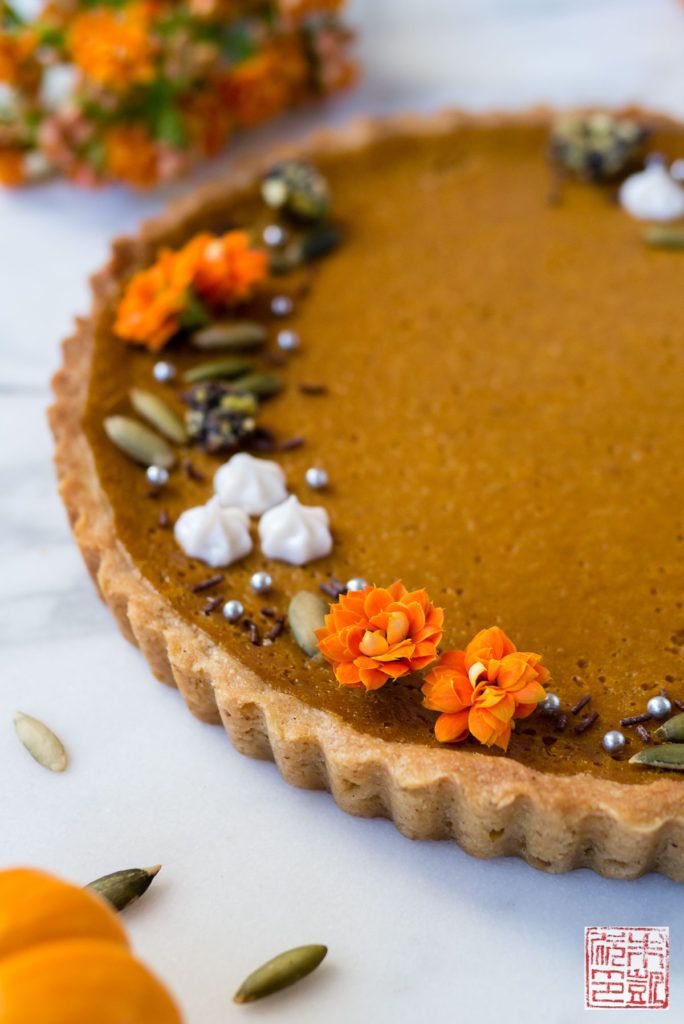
[490,374]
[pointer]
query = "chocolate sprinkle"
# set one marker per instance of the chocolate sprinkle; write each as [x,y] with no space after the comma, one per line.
[261,440]
[679,704]
[636,719]
[313,389]
[561,722]
[208,583]
[254,634]
[212,604]
[192,472]
[277,629]
[164,519]
[291,444]
[268,612]
[586,723]
[581,703]
[643,734]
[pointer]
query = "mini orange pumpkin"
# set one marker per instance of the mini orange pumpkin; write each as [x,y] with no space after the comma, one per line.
[64,959]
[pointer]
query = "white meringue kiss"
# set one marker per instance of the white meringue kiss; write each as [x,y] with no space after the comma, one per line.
[213,534]
[254,485]
[295,533]
[652,194]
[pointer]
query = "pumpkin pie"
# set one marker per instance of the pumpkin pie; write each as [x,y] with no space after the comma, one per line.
[418,536]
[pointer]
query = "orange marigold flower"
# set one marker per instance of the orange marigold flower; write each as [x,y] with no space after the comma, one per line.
[113,48]
[379,633]
[12,171]
[228,269]
[483,689]
[155,299]
[131,155]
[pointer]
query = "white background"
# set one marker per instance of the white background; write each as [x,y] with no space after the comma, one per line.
[416,931]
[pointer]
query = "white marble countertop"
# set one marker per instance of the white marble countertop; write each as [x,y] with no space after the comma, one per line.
[251,866]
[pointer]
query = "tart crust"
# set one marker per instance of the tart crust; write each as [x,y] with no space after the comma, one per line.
[491,806]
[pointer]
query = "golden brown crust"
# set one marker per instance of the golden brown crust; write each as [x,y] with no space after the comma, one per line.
[490,806]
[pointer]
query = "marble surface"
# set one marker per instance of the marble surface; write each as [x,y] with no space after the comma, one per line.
[251,866]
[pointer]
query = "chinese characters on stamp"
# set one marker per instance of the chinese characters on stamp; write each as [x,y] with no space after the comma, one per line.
[626,968]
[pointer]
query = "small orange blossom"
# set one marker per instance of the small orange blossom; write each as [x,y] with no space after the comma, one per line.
[154,301]
[228,269]
[379,633]
[113,48]
[483,689]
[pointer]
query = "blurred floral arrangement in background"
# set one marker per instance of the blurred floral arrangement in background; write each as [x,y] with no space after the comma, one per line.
[139,90]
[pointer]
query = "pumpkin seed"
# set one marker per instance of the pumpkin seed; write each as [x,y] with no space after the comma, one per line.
[219,368]
[305,615]
[138,442]
[662,236]
[121,888]
[283,970]
[41,742]
[672,730]
[665,755]
[312,245]
[298,188]
[241,335]
[263,385]
[155,410]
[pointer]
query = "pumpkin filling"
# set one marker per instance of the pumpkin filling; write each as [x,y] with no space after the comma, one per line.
[492,381]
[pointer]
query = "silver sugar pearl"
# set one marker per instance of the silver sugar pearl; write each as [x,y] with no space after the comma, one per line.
[233,611]
[281,305]
[356,583]
[551,704]
[316,478]
[274,235]
[613,742]
[677,170]
[163,371]
[659,707]
[261,583]
[288,341]
[157,476]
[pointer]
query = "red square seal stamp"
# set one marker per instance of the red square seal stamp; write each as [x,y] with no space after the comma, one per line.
[627,968]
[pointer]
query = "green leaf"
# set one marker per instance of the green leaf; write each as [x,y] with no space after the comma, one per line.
[195,314]
[169,128]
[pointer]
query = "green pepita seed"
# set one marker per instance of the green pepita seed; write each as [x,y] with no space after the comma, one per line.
[663,236]
[219,369]
[305,615]
[41,742]
[156,411]
[672,730]
[240,336]
[263,385]
[121,888]
[665,755]
[280,972]
[312,245]
[138,442]
[298,188]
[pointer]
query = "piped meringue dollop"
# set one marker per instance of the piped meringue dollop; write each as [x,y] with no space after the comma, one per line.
[295,533]
[213,534]
[254,485]
[652,194]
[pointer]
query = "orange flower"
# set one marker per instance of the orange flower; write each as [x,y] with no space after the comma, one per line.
[12,170]
[483,689]
[155,299]
[228,270]
[265,84]
[131,155]
[113,48]
[378,633]
[18,66]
